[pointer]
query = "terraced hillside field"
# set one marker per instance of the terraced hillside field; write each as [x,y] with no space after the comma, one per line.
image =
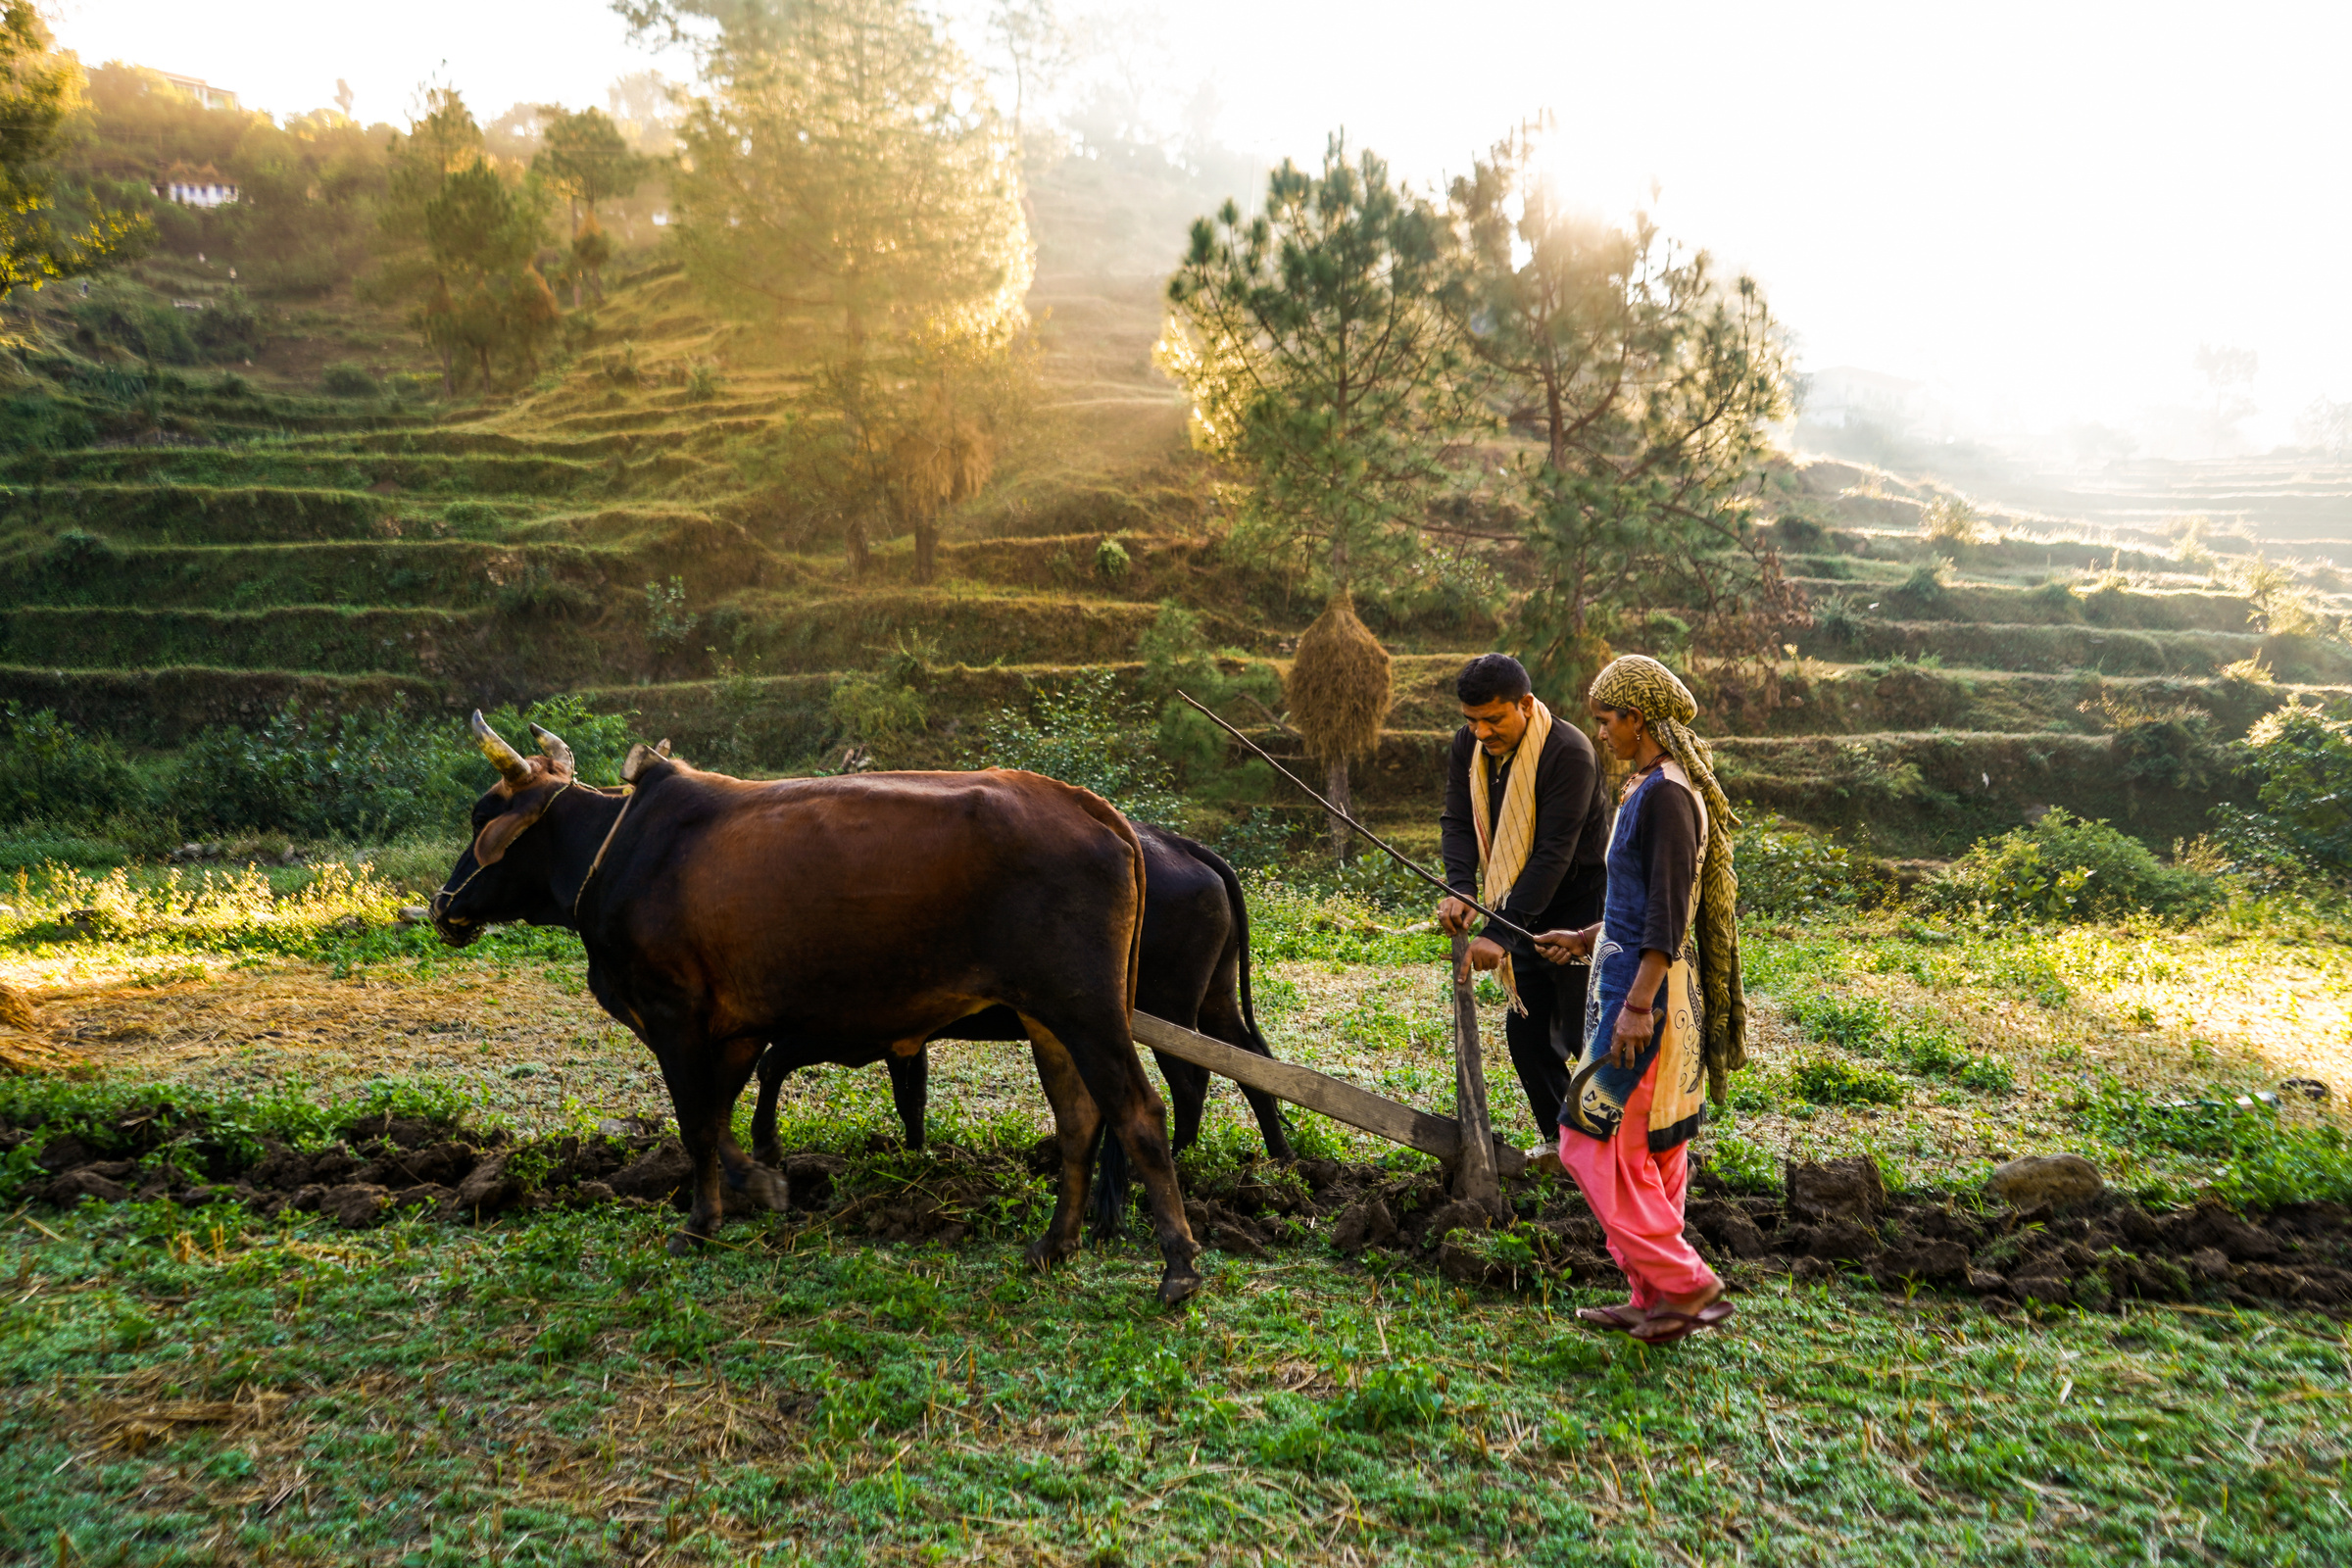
[609,533]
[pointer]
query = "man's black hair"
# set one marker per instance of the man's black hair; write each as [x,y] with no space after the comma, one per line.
[1491,678]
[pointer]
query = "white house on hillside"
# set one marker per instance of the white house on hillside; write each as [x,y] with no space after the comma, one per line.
[204,92]
[204,186]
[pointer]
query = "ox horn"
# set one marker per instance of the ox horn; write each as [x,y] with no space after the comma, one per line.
[506,758]
[552,744]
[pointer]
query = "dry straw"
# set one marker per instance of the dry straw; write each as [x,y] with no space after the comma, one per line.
[25,1047]
[1338,688]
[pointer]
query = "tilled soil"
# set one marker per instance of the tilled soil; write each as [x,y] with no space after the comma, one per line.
[1833,1218]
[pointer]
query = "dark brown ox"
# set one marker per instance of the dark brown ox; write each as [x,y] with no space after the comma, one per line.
[870,911]
[1192,970]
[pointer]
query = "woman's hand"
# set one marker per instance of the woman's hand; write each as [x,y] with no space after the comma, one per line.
[1558,947]
[1631,1037]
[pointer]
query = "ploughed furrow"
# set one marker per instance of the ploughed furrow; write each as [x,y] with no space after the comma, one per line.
[452,574]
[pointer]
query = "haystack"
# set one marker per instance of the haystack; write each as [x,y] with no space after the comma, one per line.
[1339,697]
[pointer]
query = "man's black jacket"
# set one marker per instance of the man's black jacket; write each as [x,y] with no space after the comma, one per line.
[1561,884]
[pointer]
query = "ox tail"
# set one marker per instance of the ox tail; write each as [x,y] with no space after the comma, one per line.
[1241,935]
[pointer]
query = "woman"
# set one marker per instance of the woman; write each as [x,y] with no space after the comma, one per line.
[1663,1013]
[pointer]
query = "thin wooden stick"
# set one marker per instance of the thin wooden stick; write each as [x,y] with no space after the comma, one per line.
[1394,853]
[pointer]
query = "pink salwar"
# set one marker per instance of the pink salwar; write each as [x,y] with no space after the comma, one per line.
[1637,1197]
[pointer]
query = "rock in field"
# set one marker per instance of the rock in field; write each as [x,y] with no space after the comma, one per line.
[2053,1181]
[1922,1260]
[1850,1190]
[655,1174]
[1365,1224]
[356,1205]
[75,1186]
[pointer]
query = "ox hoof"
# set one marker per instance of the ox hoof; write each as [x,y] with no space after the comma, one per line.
[1178,1286]
[763,1187]
[685,1243]
[1046,1251]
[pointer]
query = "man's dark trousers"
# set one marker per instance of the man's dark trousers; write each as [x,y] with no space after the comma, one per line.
[1548,1038]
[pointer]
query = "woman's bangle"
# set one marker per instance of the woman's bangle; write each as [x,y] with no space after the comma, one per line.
[1627,1006]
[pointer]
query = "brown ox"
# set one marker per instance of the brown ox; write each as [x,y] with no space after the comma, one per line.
[864,913]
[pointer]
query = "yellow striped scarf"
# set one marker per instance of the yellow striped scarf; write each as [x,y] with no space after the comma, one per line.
[1502,848]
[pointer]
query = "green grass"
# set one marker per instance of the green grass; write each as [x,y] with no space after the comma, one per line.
[560,1390]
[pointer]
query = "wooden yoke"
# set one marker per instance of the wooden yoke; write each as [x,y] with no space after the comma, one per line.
[1473,1172]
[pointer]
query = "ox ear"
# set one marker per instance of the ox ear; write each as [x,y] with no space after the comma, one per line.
[500,832]
[640,757]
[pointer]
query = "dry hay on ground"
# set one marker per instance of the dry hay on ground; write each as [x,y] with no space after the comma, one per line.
[25,1046]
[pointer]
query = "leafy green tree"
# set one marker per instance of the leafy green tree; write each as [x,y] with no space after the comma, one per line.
[2303,757]
[1644,381]
[1310,342]
[583,159]
[37,89]
[460,243]
[846,178]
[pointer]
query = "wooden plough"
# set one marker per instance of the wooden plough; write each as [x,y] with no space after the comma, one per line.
[1478,1160]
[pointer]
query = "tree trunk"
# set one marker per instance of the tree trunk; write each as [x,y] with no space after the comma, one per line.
[926,549]
[1334,790]
[859,553]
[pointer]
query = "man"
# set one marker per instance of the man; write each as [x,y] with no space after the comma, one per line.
[1525,830]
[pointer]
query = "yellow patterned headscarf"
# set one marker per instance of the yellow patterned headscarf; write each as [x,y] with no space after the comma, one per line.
[1644,686]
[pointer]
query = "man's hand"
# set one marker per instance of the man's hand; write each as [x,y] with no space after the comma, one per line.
[1558,947]
[1484,953]
[1455,916]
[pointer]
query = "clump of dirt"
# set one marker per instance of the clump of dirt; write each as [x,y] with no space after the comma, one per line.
[1833,1218]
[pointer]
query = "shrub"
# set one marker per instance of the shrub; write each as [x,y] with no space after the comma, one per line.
[2065,868]
[1784,870]
[51,771]
[1090,734]
[1828,1081]
[2303,759]
[344,379]
[1743,1165]
[668,622]
[871,708]
[1836,617]
[2262,1157]
[374,773]
[1950,520]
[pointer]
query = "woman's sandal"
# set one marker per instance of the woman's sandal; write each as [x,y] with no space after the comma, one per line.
[1612,1317]
[1666,1325]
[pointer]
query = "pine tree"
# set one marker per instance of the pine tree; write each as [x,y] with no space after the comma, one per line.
[1311,344]
[846,174]
[583,159]
[1317,359]
[1645,381]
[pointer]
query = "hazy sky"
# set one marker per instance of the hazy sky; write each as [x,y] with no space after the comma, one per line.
[2044,207]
